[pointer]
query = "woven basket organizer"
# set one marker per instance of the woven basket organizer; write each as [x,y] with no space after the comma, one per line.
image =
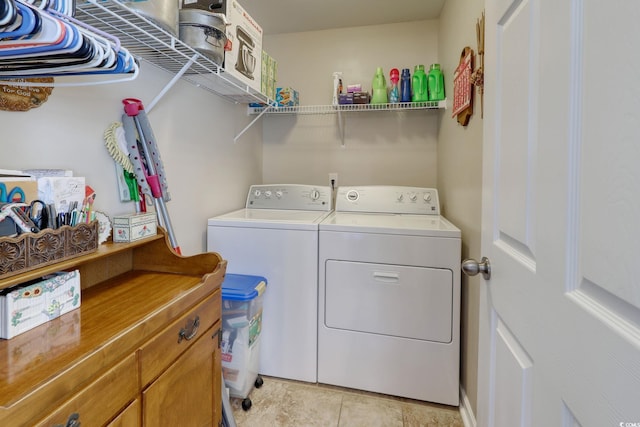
[29,251]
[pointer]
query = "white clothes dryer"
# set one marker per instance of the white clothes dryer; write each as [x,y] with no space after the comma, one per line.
[276,236]
[389,294]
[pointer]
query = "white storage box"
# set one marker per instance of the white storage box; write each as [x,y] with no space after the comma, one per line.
[244,60]
[132,227]
[29,305]
[241,326]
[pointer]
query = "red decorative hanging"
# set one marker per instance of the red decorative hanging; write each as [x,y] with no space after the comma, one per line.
[463,88]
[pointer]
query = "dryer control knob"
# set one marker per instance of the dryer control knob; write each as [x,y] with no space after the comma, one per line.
[315,194]
[279,194]
[427,197]
[257,193]
[400,197]
[413,197]
[267,193]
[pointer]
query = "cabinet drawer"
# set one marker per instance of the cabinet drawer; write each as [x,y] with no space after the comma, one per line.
[102,400]
[174,340]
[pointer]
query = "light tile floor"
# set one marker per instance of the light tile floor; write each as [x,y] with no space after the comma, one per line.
[285,403]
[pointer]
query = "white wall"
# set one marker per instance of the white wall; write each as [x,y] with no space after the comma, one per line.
[380,148]
[460,176]
[207,173]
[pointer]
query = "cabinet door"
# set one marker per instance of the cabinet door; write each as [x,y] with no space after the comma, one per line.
[130,417]
[187,393]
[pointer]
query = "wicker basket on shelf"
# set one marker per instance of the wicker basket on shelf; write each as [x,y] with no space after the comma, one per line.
[29,251]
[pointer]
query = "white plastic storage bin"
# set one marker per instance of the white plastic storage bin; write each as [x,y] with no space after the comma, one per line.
[241,326]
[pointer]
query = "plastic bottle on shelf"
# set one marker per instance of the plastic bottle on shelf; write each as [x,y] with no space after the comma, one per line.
[436,83]
[394,92]
[420,91]
[405,86]
[337,86]
[379,88]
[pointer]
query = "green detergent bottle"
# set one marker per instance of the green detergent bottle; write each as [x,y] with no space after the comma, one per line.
[379,88]
[419,85]
[436,83]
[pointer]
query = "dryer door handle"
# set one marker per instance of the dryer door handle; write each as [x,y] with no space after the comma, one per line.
[385,276]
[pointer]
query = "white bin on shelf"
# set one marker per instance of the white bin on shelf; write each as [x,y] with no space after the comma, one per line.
[241,325]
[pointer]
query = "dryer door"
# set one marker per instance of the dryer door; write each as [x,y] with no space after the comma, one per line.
[400,301]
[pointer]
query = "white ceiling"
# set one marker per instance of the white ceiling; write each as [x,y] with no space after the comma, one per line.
[288,16]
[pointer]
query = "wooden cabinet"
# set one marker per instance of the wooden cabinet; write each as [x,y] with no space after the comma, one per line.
[142,349]
[185,390]
[129,417]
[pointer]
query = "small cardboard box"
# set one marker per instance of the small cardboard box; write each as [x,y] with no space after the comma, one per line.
[26,306]
[345,98]
[361,98]
[287,97]
[132,227]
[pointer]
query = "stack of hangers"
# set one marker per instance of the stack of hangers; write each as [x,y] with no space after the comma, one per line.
[40,38]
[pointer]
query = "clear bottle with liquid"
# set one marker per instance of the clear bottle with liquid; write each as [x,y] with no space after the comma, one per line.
[337,86]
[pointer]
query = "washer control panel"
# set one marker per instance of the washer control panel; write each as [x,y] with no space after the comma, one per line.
[388,199]
[289,196]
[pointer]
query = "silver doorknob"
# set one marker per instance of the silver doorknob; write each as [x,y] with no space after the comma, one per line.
[471,267]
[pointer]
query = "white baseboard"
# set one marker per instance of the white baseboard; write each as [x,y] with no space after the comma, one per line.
[466,411]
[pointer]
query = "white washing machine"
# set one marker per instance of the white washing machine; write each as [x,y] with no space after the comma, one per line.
[389,294]
[276,236]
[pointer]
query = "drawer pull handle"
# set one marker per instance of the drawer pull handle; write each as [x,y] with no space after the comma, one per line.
[189,332]
[73,421]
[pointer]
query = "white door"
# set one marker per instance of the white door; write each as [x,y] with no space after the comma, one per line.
[560,315]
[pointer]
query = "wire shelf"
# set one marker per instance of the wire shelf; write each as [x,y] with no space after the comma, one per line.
[333,109]
[147,41]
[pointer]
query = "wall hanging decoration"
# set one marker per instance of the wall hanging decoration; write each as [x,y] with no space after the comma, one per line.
[24,98]
[463,88]
[477,77]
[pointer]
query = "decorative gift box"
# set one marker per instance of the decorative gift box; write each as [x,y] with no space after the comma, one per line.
[26,306]
[132,227]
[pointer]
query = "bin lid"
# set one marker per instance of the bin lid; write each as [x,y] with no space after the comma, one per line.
[242,287]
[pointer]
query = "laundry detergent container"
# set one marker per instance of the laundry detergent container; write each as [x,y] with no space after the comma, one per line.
[242,297]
